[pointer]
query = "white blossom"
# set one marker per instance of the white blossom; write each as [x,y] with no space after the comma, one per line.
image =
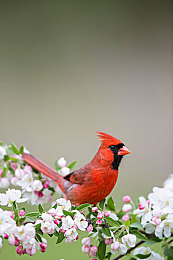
[2,152]
[67,222]
[129,239]
[11,196]
[62,162]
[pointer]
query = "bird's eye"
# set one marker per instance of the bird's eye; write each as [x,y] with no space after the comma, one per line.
[112,146]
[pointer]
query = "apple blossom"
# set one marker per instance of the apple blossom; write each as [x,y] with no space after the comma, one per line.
[127,198]
[129,239]
[127,207]
[2,152]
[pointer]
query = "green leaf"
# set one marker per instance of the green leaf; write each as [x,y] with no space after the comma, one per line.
[38,237]
[68,213]
[102,203]
[166,251]
[40,208]
[139,235]
[101,250]
[83,206]
[127,223]
[21,220]
[38,226]
[5,170]
[33,214]
[6,158]
[110,204]
[21,149]
[120,214]
[12,171]
[57,168]
[16,215]
[117,233]
[153,241]
[112,222]
[60,238]
[136,225]
[14,159]
[133,218]
[143,256]
[14,149]
[170,251]
[106,231]
[72,165]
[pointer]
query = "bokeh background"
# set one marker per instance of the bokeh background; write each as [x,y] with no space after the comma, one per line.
[71,68]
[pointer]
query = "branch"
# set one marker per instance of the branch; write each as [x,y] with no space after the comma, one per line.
[140,243]
[129,250]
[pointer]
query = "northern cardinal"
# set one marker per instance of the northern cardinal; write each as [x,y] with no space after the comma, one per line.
[94,181]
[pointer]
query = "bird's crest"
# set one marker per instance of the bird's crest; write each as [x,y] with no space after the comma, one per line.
[108,140]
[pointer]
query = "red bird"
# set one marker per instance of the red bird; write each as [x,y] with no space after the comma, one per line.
[94,181]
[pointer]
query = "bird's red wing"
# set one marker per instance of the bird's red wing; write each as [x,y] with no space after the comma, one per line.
[79,176]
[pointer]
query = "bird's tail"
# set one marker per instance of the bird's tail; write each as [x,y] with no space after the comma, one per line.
[45,169]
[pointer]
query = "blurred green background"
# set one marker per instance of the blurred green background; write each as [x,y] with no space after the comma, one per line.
[71,68]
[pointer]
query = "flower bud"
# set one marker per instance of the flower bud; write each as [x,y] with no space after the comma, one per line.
[21,212]
[89,228]
[6,236]
[43,247]
[56,221]
[125,218]
[108,241]
[94,209]
[127,207]
[99,222]
[86,249]
[86,241]
[126,198]
[31,251]
[107,213]
[11,239]
[100,215]
[19,250]
[141,206]
[61,162]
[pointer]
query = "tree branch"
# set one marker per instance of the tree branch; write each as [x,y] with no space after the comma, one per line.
[139,243]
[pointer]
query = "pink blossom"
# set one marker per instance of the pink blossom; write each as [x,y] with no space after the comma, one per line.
[126,198]
[86,241]
[46,185]
[141,206]
[89,228]
[14,165]
[94,209]
[125,217]
[31,251]
[56,221]
[108,241]
[126,207]
[11,240]
[86,249]
[17,242]
[20,250]
[11,214]
[6,236]
[43,247]
[100,215]
[99,222]
[107,213]
[156,220]
[21,212]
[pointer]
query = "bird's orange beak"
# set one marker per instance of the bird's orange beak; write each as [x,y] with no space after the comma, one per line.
[123,151]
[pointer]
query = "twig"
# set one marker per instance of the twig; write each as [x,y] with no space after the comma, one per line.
[129,250]
[140,243]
